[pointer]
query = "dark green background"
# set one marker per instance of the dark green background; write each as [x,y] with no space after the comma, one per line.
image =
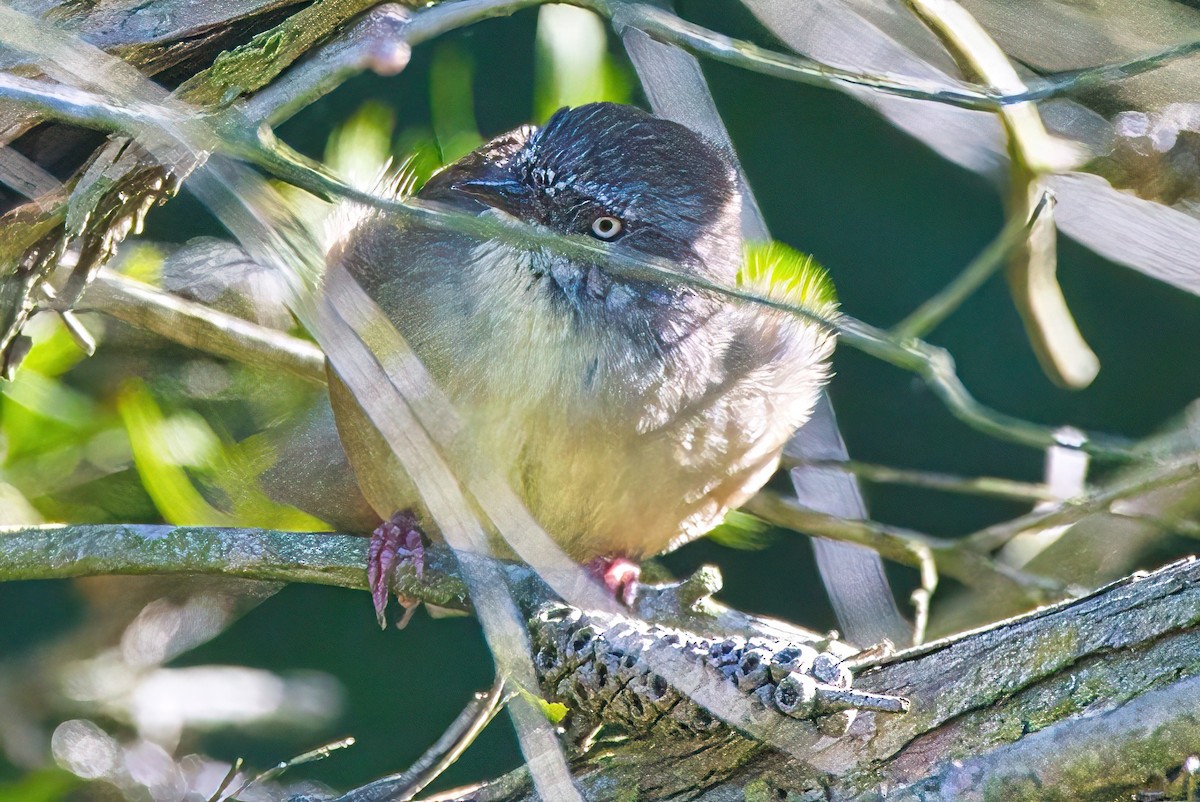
[891,221]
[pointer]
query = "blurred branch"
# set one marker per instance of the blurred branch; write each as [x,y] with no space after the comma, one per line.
[993,486]
[1033,153]
[201,327]
[1139,483]
[907,547]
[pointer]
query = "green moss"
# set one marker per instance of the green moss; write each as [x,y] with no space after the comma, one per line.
[256,63]
[758,791]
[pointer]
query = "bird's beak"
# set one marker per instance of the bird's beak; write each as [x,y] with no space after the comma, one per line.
[506,194]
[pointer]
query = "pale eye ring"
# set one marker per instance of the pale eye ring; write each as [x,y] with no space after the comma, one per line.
[606,227]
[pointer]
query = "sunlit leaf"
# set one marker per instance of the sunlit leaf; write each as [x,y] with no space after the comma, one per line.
[554,712]
[743,532]
[573,66]
[785,274]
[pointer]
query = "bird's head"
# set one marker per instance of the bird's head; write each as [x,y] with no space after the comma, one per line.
[636,183]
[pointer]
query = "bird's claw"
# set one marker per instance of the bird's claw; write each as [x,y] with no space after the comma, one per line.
[619,575]
[395,542]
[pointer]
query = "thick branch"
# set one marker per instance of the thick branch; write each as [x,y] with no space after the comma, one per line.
[1087,699]
[326,558]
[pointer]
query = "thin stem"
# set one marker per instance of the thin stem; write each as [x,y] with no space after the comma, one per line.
[988,540]
[1061,83]
[907,547]
[311,756]
[992,486]
[932,312]
[666,27]
[936,367]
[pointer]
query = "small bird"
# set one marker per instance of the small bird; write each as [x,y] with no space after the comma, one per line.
[629,416]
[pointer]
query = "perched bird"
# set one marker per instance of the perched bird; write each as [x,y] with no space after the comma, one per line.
[629,416]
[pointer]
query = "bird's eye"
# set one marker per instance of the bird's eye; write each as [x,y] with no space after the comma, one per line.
[606,227]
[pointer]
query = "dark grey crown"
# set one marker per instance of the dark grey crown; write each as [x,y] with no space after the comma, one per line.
[673,191]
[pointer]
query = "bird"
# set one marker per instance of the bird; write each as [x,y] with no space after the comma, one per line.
[628,415]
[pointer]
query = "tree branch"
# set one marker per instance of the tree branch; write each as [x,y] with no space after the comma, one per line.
[1030,707]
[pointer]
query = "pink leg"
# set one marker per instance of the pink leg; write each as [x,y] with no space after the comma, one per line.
[394,543]
[619,575]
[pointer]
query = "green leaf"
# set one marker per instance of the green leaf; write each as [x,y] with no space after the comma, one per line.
[572,63]
[743,532]
[783,273]
[554,712]
[43,785]
[176,498]
[451,102]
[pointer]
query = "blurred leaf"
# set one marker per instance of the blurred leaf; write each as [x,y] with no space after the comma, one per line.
[743,532]
[572,65]
[360,148]
[451,103]
[39,413]
[54,352]
[42,785]
[51,399]
[238,468]
[554,712]
[142,261]
[168,484]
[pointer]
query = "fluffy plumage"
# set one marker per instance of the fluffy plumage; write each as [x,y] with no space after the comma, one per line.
[628,416]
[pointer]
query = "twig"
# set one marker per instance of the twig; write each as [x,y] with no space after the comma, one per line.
[987,540]
[461,733]
[908,547]
[993,486]
[1033,154]
[933,311]
[666,27]
[198,326]
[936,367]
[311,756]
[1058,84]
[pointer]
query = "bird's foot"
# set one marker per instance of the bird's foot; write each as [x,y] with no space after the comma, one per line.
[619,575]
[395,542]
